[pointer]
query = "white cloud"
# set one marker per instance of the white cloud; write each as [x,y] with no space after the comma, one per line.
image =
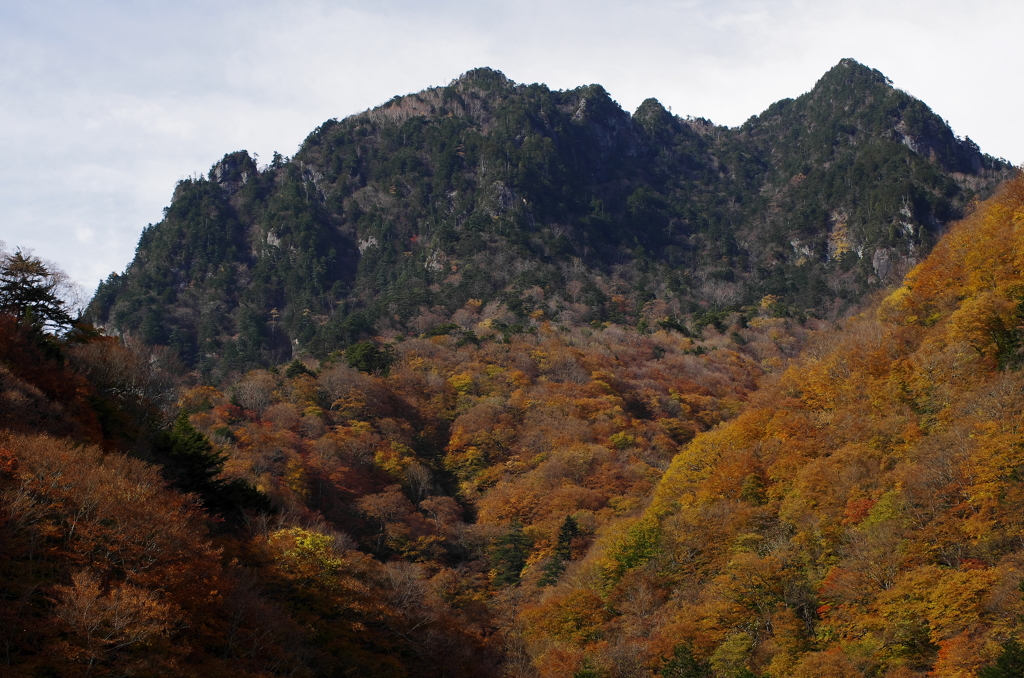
[105,105]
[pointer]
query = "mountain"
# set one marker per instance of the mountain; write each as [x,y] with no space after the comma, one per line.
[535,203]
[812,499]
[597,474]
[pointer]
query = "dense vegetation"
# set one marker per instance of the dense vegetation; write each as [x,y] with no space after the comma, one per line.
[520,484]
[860,516]
[535,201]
[382,523]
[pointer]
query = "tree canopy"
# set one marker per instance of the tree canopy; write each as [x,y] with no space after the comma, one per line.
[30,290]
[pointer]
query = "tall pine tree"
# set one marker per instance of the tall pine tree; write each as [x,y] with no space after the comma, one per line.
[190,464]
[563,552]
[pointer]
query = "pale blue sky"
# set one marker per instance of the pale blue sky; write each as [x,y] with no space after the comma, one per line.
[105,105]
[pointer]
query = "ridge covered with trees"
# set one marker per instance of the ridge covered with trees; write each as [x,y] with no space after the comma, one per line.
[535,201]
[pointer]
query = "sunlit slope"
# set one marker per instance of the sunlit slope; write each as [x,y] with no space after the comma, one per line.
[864,514]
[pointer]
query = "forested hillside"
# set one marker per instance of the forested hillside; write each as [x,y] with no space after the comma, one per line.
[535,201]
[379,512]
[860,516]
[304,450]
[771,498]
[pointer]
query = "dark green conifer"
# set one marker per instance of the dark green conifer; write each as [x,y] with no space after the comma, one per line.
[563,552]
[295,369]
[190,464]
[366,357]
[508,557]
[684,665]
[193,465]
[28,291]
[1010,663]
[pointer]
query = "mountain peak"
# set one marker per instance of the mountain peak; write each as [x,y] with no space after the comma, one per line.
[484,188]
[484,78]
[852,75]
[653,116]
[233,171]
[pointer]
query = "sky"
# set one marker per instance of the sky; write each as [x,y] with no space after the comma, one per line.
[106,105]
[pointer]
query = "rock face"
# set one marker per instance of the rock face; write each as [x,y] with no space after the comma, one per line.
[529,200]
[233,171]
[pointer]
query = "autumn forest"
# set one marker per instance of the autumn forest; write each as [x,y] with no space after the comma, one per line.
[632,432]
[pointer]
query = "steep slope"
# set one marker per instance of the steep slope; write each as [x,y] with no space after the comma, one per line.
[861,516]
[535,201]
[856,174]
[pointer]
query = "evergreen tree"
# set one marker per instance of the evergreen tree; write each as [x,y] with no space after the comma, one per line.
[586,671]
[190,464]
[563,552]
[28,291]
[295,369]
[1010,663]
[508,557]
[684,665]
[366,357]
